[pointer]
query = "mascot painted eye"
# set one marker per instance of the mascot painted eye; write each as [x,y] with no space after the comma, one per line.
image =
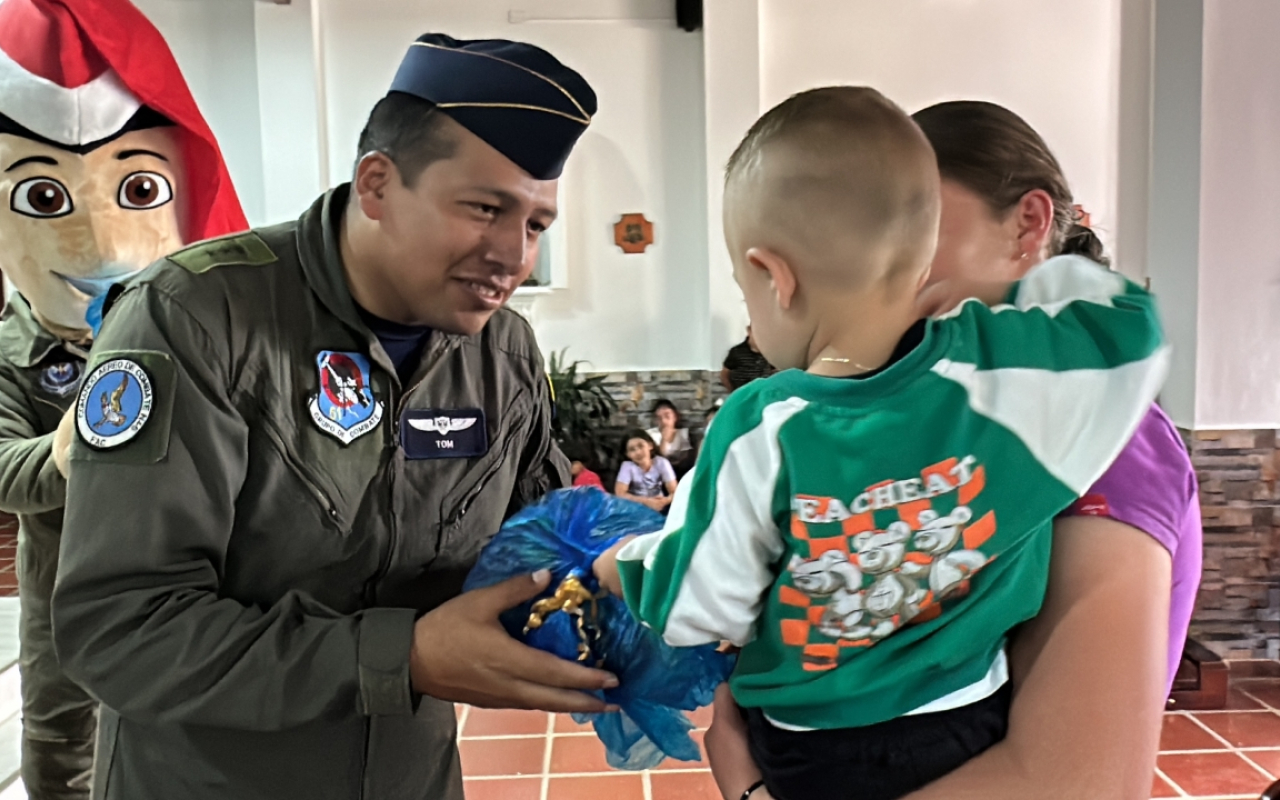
[143,190]
[42,198]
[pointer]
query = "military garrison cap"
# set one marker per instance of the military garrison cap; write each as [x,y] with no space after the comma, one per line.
[516,97]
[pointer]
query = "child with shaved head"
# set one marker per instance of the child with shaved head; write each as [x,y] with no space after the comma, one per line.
[869,524]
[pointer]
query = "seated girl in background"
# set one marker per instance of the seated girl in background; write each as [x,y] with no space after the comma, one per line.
[645,476]
[672,437]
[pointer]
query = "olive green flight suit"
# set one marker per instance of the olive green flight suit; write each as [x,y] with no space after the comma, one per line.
[237,585]
[39,376]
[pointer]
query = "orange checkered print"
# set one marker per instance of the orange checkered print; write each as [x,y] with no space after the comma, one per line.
[852,582]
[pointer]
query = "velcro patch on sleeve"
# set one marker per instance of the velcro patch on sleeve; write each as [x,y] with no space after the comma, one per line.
[125,407]
[243,249]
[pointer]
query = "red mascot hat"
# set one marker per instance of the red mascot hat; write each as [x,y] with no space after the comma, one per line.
[77,73]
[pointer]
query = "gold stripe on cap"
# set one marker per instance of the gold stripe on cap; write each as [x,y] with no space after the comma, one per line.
[513,105]
[586,118]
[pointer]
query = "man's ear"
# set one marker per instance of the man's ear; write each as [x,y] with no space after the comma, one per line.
[781,275]
[374,174]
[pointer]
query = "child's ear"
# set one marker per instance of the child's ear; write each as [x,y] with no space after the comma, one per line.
[781,275]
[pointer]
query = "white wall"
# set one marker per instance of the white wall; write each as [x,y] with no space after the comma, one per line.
[213,43]
[1186,198]
[1052,62]
[1238,379]
[1056,64]
[642,153]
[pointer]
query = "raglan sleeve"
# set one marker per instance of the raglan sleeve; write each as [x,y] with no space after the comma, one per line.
[1071,362]
[704,577]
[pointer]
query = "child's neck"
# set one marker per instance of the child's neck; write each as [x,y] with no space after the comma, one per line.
[645,463]
[859,337]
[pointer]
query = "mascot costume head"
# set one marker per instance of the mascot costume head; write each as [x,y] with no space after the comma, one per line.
[106,164]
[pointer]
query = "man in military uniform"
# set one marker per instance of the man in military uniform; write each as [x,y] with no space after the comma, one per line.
[92,177]
[293,444]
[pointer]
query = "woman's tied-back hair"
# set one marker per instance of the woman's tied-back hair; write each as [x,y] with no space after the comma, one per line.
[994,153]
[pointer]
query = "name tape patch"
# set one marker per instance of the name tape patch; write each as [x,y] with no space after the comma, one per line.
[444,433]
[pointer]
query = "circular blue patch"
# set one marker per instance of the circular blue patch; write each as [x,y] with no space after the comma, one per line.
[114,404]
[61,379]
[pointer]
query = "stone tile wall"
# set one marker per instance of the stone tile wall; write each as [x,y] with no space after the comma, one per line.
[1238,611]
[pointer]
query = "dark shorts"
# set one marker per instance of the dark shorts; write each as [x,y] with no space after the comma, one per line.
[876,762]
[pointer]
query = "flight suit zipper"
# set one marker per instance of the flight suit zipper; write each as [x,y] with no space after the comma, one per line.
[322,497]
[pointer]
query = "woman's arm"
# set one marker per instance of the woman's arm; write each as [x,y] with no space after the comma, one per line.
[1089,676]
[1089,681]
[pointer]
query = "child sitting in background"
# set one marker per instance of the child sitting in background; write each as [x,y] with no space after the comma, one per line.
[871,523]
[645,476]
[584,477]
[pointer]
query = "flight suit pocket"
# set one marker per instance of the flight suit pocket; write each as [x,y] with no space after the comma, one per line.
[481,475]
[314,484]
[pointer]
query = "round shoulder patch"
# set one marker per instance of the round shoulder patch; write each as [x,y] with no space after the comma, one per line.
[114,404]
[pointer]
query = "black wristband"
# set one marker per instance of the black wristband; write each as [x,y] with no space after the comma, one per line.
[747,794]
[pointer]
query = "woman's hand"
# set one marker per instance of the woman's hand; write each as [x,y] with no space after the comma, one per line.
[1078,732]
[726,743]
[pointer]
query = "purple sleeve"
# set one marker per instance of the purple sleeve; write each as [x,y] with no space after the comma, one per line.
[1152,486]
[665,469]
[626,474]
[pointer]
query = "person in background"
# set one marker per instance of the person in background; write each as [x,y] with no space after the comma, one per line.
[645,477]
[744,364]
[672,437]
[706,423]
[584,477]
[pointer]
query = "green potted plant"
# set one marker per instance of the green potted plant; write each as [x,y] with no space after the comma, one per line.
[583,408]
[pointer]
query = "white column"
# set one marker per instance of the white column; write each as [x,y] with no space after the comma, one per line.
[731,47]
[287,98]
[1213,242]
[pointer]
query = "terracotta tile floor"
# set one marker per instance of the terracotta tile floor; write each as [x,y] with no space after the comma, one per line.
[525,755]
[514,755]
[8,552]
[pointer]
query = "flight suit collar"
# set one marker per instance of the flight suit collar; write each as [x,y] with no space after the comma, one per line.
[23,340]
[321,255]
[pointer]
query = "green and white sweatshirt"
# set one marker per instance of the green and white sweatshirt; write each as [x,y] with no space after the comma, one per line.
[871,542]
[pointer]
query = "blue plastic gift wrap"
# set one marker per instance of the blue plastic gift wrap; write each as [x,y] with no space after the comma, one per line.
[565,532]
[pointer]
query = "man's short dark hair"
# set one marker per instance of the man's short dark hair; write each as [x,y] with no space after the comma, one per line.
[408,130]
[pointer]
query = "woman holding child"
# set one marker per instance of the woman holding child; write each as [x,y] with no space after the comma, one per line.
[1125,559]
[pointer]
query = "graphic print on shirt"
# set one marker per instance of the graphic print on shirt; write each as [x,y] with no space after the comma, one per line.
[858,586]
[344,407]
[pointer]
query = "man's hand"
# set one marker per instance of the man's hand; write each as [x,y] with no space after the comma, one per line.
[461,653]
[62,441]
[727,752]
[945,295]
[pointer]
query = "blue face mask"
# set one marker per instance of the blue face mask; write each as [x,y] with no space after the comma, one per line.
[97,289]
[93,314]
